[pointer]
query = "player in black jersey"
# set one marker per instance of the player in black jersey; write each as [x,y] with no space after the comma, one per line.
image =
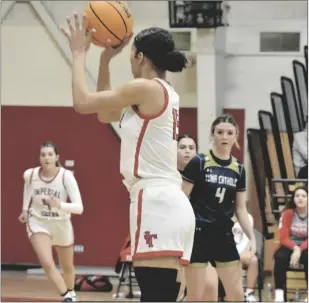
[186,150]
[216,184]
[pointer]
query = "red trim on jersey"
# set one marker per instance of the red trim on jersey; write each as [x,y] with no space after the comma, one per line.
[64,246]
[184,262]
[40,169]
[160,253]
[144,127]
[150,117]
[138,147]
[139,218]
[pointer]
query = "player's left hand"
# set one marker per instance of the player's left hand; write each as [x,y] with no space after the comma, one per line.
[252,246]
[51,202]
[79,37]
[246,256]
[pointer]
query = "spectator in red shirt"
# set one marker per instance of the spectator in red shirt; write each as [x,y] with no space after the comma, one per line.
[293,247]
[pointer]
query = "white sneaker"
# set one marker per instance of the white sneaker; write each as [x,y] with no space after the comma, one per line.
[250,297]
[73,295]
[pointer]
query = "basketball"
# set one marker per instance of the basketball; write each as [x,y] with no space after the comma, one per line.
[112,20]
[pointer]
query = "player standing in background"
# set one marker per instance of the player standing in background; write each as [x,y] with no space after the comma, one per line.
[47,213]
[187,149]
[216,184]
[148,107]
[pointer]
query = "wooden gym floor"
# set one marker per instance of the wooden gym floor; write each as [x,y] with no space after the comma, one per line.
[18,286]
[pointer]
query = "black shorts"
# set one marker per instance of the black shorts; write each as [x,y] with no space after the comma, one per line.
[214,245]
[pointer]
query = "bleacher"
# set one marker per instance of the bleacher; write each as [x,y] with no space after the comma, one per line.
[270,149]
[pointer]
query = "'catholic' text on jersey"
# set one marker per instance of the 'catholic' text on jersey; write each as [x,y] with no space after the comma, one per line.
[216,183]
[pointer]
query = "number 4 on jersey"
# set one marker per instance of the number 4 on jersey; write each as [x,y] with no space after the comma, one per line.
[220,193]
[175,124]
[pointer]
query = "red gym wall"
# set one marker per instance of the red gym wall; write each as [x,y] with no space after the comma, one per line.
[95,149]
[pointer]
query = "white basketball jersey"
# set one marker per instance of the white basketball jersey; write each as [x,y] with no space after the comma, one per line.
[149,145]
[41,189]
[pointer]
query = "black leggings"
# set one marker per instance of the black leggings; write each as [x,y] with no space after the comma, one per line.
[282,262]
[157,284]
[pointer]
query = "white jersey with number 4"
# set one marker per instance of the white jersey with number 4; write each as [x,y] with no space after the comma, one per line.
[149,144]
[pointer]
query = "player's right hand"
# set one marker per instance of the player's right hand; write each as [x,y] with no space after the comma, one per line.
[110,51]
[23,217]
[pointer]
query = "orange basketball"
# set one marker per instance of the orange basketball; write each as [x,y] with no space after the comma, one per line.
[111,19]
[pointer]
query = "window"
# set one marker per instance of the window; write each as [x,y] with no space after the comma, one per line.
[279,42]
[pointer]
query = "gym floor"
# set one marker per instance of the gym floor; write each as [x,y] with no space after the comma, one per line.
[19,286]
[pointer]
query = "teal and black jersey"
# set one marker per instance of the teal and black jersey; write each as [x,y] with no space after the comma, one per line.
[216,183]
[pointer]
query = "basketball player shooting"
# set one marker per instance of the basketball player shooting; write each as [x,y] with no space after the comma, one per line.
[148,107]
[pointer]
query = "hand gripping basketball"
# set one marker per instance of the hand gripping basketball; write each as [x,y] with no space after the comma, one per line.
[111,51]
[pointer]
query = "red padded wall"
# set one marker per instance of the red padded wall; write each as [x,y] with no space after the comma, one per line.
[95,149]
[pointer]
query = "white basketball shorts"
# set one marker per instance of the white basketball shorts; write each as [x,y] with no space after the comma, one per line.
[60,231]
[162,223]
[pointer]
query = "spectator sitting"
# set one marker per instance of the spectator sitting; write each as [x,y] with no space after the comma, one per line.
[293,248]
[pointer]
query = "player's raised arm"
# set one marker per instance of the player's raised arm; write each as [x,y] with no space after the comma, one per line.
[136,92]
[103,84]
[145,54]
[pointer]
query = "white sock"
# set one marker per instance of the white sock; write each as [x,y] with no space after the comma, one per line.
[249,291]
[279,295]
